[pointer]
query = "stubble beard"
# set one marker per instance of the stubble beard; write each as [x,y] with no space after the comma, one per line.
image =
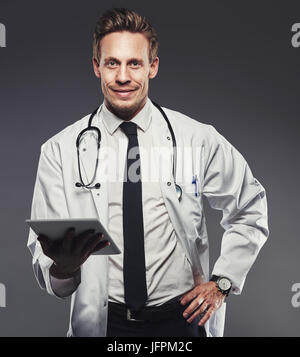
[125,112]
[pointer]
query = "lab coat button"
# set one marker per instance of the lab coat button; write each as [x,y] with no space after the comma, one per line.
[169,183]
[84,149]
[168,138]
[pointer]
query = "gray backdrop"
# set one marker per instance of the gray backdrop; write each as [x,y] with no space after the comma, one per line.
[229,64]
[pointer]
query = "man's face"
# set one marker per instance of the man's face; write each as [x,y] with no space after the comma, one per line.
[125,70]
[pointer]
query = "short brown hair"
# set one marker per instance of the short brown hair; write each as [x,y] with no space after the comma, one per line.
[121,19]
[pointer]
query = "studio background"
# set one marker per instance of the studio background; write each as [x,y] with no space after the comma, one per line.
[225,63]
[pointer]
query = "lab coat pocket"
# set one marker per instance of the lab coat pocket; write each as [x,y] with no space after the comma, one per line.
[191,189]
[191,204]
[190,195]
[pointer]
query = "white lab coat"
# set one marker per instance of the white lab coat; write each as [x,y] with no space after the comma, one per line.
[224,178]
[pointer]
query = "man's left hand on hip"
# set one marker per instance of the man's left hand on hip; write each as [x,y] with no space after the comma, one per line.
[205,299]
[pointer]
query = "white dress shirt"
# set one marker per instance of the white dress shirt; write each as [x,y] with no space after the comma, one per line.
[165,259]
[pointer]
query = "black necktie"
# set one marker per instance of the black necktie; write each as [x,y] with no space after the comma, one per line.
[135,286]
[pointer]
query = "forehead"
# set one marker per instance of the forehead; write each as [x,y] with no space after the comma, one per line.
[124,45]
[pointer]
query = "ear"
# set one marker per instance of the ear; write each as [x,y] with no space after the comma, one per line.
[96,68]
[154,68]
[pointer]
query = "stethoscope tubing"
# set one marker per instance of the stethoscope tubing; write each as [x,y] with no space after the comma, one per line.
[90,127]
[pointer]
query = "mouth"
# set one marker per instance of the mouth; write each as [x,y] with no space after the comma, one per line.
[123,93]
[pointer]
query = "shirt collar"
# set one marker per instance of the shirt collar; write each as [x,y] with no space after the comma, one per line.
[112,122]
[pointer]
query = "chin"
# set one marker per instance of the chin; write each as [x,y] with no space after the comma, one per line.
[123,104]
[124,107]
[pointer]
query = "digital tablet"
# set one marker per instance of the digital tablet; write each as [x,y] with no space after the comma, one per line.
[56,229]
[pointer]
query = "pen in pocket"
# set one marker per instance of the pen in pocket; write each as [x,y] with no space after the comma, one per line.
[195,182]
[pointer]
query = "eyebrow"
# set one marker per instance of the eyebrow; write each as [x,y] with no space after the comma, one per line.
[133,59]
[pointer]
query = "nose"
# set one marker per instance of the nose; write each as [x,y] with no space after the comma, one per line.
[123,75]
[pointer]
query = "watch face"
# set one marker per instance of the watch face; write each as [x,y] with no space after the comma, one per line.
[224,284]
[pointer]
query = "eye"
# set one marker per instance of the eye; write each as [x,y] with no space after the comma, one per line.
[135,64]
[111,63]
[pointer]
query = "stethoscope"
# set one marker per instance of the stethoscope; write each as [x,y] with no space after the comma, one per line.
[90,185]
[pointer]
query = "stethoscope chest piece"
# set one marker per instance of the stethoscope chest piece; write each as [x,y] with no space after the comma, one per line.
[178,192]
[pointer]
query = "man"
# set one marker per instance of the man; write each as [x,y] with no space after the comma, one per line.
[160,284]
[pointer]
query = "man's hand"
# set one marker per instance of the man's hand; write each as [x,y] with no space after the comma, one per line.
[206,298]
[70,252]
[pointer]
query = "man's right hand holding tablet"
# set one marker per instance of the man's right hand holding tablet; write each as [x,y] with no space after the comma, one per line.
[70,252]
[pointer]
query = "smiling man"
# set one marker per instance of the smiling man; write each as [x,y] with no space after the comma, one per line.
[125,68]
[160,284]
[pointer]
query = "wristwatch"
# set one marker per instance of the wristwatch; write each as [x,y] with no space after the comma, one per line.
[223,284]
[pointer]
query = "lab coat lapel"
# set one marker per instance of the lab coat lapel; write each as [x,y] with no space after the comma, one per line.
[160,133]
[180,217]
